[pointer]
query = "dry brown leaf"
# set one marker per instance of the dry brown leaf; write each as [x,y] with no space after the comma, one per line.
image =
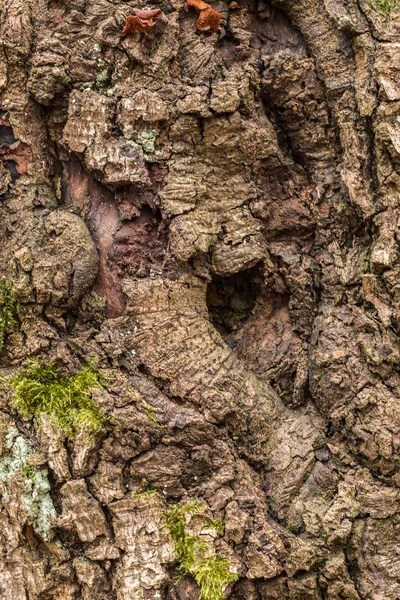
[141,21]
[208,17]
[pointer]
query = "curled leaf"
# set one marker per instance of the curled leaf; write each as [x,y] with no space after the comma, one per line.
[141,21]
[154,13]
[208,17]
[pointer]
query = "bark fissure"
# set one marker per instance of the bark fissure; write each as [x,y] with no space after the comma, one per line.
[211,217]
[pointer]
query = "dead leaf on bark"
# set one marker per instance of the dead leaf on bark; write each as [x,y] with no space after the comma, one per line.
[141,21]
[208,17]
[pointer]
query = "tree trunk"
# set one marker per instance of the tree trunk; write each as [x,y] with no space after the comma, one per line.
[208,216]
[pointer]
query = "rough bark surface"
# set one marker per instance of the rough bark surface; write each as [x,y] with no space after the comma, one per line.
[212,217]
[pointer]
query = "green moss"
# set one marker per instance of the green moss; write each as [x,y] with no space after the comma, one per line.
[218,525]
[149,491]
[8,311]
[212,575]
[387,6]
[151,416]
[65,80]
[187,547]
[29,472]
[210,571]
[41,389]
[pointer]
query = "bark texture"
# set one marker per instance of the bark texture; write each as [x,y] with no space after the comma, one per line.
[212,217]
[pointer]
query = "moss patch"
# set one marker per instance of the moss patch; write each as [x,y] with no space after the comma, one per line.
[149,412]
[41,389]
[147,492]
[218,525]
[196,558]
[387,6]
[8,311]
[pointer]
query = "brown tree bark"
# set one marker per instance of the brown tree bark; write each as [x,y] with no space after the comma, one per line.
[211,217]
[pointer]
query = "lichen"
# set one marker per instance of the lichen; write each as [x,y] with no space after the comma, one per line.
[147,139]
[35,495]
[17,455]
[83,87]
[41,389]
[102,77]
[195,556]
[38,504]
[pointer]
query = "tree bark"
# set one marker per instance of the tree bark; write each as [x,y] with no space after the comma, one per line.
[211,218]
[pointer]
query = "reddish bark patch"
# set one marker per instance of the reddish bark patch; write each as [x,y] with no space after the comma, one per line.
[130,236]
[5,119]
[16,154]
[103,222]
[140,245]
[19,153]
[130,201]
